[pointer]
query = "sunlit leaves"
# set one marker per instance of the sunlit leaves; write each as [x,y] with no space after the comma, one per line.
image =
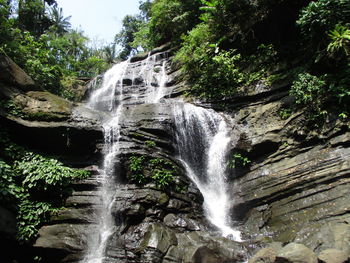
[340,40]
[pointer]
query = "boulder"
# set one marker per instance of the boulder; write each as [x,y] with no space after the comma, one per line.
[296,253]
[66,237]
[267,254]
[199,246]
[43,106]
[333,256]
[159,238]
[327,236]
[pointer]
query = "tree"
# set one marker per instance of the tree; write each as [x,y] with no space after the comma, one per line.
[320,17]
[145,10]
[5,22]
[109,53]
[125,38]
[170,19]
[32,16]
[60,24]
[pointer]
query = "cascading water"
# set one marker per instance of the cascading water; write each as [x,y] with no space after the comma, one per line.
[203,143]
[202,138]
[104,99]
[111,98]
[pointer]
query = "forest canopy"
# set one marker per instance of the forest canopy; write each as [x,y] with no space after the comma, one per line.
[227,46]
[41,40]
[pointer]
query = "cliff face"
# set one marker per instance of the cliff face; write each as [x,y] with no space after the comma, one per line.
[295,189]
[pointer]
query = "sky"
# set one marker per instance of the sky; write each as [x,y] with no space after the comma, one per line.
[99,19]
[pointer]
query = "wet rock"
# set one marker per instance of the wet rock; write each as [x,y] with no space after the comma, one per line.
[159,238]
[67,237]
[76,215]
[296,253]
[200,247]
[43,105]
[267,255]
[333,256]
[331,235]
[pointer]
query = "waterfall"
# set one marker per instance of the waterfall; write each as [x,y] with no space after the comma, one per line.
[108,98]
[203,139]
[146,85]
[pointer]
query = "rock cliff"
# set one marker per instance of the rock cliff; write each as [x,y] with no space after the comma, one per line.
[295,189]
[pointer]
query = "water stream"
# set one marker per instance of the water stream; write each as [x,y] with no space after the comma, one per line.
[203,141]
[202,138]
[108,98]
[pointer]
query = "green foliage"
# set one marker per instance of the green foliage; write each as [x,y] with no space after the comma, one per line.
[70,84]
[340,40]
[12,108]
[260,63]
[238,160]
[214,73]
[319,95]
[309,90]
[157,170]
[60,24]
[150,144]
[125,38]
[285,113]
[172,18]
[5,22]
[32,185]
[31,215]
[163,172]
[32,16]
[136,167]
[6,181]
[43,174]
[165,20]
[41,42]
[319,18]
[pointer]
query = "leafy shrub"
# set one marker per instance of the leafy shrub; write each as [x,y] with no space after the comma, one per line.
[136,167]
[212,73]
[32,185]
[6,182]
[340,41]
[43,173]
[285,113]
[31,215]
[163,172]
[157,170]
[308,90]
[320,17]
[12,108]
[169,20]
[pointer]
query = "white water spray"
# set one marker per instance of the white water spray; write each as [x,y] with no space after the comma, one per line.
[203,143]
[108,98]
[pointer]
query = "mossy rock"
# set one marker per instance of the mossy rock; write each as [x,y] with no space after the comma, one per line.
[43,106]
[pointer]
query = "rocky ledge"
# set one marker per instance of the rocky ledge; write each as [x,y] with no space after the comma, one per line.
[297,186]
